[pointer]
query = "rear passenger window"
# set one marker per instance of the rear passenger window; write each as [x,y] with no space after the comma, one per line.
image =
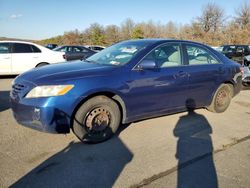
[25,48]
[22,48]
[4,48]
[166,56]
[199,56]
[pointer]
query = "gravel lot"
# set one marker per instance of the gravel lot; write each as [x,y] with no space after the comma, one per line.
[147,153]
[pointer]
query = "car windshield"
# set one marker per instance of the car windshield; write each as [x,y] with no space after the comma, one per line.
[60,48]
[118,54]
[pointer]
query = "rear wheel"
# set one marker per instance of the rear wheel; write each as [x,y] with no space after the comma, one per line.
[97,119]
[221,99]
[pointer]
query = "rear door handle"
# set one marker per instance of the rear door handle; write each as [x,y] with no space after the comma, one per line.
[7,58]
[181,74]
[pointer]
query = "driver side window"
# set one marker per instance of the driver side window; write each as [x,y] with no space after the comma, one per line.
[198,56]
[166,56]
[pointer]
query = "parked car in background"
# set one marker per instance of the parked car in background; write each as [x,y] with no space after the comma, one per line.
[129,81]
[95,47]
[19,56]
[237,53]
[246,76]
[217,48]
[51,46]
[75,52]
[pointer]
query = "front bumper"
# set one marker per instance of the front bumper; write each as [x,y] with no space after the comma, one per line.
[38,114]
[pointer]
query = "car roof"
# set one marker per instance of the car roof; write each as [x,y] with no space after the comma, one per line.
[163,40]
[16,41]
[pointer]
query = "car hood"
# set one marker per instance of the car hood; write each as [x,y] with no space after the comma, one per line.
[65,71]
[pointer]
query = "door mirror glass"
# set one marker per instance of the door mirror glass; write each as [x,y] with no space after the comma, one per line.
[147,64]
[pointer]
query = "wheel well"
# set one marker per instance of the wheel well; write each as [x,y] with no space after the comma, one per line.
[42,63]
[228,82]
[110,95]
[233,87]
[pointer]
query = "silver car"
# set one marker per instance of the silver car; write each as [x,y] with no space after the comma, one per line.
[246,76]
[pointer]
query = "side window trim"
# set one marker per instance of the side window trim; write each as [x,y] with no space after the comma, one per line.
[185,44]
[158,46]
[35,49]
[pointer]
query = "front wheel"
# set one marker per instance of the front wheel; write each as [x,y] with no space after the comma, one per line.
[221,99]
[97,119]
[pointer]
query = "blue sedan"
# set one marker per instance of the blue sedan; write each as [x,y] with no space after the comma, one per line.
[129,81]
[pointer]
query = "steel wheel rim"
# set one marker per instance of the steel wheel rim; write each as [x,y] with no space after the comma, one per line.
[97,120]
[222,98]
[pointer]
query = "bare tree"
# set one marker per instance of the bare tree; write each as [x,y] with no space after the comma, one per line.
[71,37]
[212,17]
[170,30]
[112,34]
[243,15]
[150,29]
[127,28]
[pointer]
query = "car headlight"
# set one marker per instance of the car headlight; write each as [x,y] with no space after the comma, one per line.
[49,91]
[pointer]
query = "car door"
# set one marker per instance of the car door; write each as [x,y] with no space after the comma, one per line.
[204,71]
[24,57]
[78,53]
[5,58]
[161,89]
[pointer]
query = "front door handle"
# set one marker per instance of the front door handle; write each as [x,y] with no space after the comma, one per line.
[181,74]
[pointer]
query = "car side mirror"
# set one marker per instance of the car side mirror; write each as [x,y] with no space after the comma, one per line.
[146,65]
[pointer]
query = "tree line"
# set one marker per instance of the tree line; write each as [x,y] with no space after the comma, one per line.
[212,27]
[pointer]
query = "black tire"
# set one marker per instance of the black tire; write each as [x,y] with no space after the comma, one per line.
[246,63]
[96,120]
[42,64]
[221,99]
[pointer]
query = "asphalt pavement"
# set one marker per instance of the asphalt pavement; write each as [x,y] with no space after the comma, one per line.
[200,149]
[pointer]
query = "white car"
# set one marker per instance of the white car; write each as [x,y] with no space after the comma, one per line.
[19,56]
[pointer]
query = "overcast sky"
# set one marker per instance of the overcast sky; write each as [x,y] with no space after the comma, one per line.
[40,19]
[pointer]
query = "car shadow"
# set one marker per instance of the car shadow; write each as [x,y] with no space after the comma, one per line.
[4,100]
[245,88]
[7,76]
[194,150]
[81,165]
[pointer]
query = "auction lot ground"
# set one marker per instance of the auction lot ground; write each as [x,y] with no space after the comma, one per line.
[182,150]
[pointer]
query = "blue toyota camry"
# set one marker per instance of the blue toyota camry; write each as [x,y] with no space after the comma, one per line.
[126,82]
